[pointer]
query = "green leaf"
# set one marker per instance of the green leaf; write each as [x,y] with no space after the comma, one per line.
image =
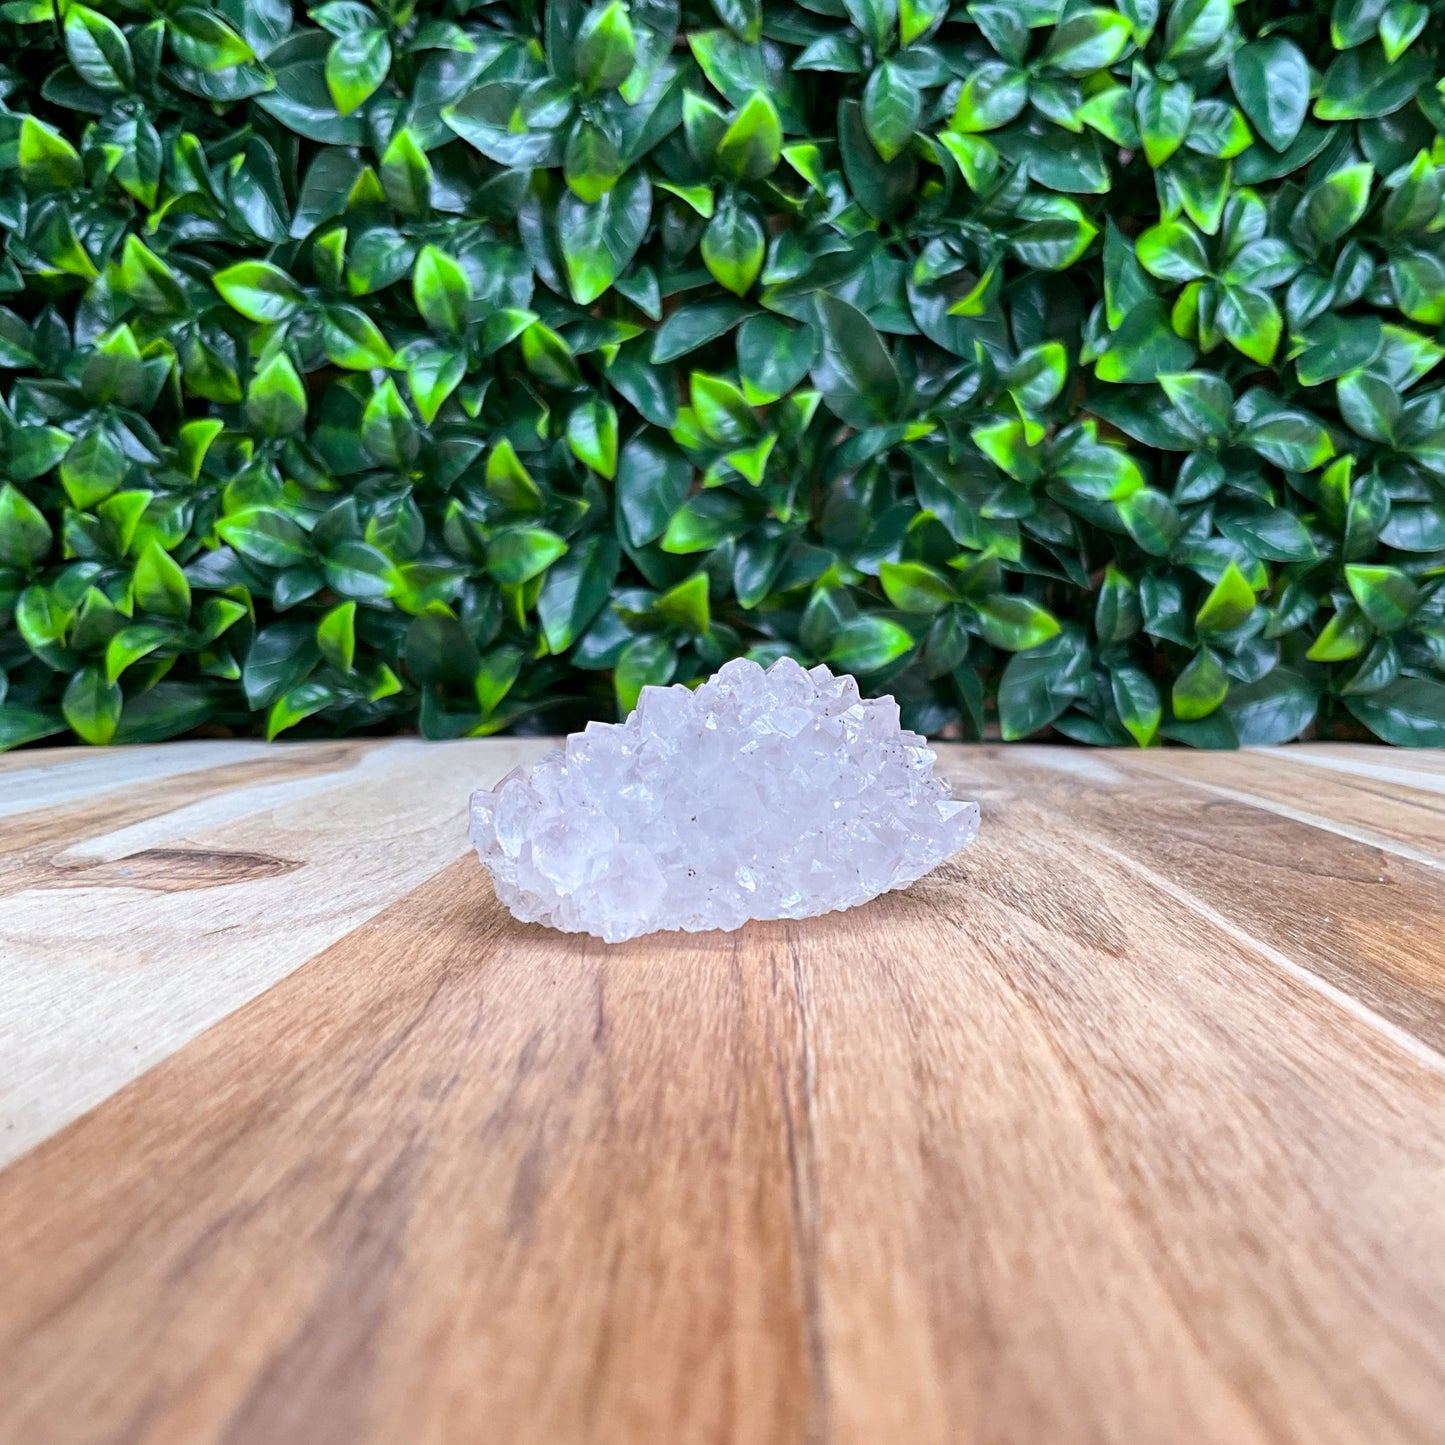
[854,371]
[279,658]
[1106,473]
[518,554]
[868,644]
[1228,605]
[592,436]
[686,605]
[916,18]
[98,50]
[892,108]
[706,521]
[1091,39]
[1152,520]
[442,291]
[992,95]
[1418,279]
[131,644]
[752,144]
[356,65]
[433,373]
[1200,688]
[510,482]
[1290,439]
[915,587]
[336,636]
[1014,623]
[1369,405]
[47,160]
[773,357]
[91,705]
[693,326]
[1347,634]
[25,535]
[721,410]
[1195,27]
[1250,321]
[1162,112]
[496,675]
[1038,685]
[1172,251]
[260,291]
[1400,25]
[733,246]
[266,536]
[647,661]
[276,399]
[1362,84]
[1271,79]
[301,702]
[1409,712]
[159,584]
[1334,206]
[406,174]
[1203,400]
[882,188]
[1270,533]
[387,430]
[548,357]
[575,589]
[1275,709]
[352,340]
[1262,264]
[1144,347]
[1117,616]
[1386,595]
[1137,701]
[606,47]
[202,39]
[599,240]
[1054,232]
[1336,345]
[652,481]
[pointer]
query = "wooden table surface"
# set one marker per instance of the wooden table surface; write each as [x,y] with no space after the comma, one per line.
[1127,1125]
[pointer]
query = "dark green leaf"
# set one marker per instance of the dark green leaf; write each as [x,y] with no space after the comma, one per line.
[576,587]
[1409,712]
[1271,78]
[1276,709]
[356,65]
[854,371]
[1037,686]
[599,240]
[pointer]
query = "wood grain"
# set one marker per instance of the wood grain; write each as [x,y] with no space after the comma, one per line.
[146,893]
[1127,1125]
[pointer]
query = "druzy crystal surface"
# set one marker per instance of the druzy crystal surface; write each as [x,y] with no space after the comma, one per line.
[762,794]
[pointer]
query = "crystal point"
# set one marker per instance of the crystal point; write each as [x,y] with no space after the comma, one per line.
[762,794]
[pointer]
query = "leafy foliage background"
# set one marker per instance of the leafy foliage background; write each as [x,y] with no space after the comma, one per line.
[472,365]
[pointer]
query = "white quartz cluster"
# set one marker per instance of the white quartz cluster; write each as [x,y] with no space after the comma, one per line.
[762,794]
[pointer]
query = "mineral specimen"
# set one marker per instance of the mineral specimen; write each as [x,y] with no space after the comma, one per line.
[762,794]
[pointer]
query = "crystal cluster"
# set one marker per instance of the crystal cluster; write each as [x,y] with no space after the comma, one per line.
[762,794]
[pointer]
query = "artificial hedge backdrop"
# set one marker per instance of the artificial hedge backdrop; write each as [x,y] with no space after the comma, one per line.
[471,365]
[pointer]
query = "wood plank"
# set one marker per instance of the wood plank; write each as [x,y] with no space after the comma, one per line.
[134,915]
[1352,914]
[1035,1151]
[1398,807]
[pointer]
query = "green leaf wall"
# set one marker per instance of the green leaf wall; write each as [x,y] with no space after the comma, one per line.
[1060,368]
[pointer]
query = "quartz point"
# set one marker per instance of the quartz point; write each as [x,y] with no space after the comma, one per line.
[761,794]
